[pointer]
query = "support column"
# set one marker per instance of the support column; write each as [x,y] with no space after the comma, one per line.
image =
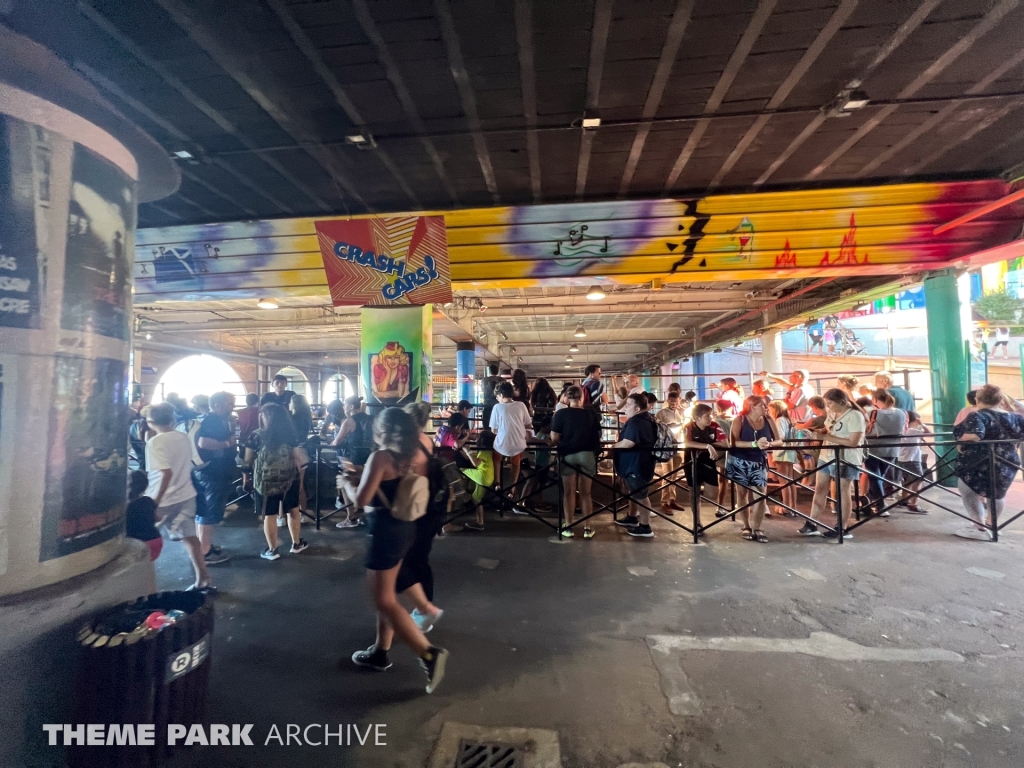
[945,349]
[465,368]
[701,382]
[396,357]
[771,351]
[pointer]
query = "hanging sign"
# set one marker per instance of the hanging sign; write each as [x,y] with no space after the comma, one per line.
[386,261]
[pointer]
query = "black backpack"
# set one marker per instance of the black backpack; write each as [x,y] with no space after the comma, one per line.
[358,445]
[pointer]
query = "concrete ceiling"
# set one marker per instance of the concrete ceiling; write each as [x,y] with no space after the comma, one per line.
[475,102]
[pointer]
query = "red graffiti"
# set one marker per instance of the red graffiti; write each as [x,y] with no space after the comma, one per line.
[847,249]
[787,258]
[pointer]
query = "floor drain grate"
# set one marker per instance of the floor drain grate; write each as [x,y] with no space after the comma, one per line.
[484,754]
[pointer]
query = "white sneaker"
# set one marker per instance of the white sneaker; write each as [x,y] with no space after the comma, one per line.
[281,522]
[975,534]
[349,522]
[426,621]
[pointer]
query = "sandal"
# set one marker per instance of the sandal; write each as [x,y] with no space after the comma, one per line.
[747,534]
[760,537]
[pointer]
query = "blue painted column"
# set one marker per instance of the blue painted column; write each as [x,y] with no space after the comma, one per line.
[701,380]
[465,368]
[945,351]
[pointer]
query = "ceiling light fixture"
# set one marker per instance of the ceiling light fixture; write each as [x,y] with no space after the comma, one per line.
[590,122]
[581,332]
[574,348]
[182,154]
[846,102]
[149,336]
[595,293]
[568,365]
[568,359]
[267,303]
[362,140]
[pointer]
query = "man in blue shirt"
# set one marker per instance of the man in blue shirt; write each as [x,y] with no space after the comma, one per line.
[904,400]
[215,476]
[635,464]
[594,386]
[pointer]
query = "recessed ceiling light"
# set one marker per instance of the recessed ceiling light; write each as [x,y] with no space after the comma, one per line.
[267,304]
[184,155]
[361,140]
[595,293]
[574,348]
[581,332]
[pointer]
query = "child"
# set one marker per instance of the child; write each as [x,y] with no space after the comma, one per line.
[809,430]
[482,476]
[704,441]
[910,463]
[141,516]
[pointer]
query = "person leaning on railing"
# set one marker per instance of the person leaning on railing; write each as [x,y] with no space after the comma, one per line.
[704,441]
[845,424]
[998,418]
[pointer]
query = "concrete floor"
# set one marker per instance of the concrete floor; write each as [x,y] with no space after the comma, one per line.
[562,637]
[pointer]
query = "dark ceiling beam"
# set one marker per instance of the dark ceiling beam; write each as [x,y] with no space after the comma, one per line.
[669,51]
[270,96]
[725,81]
[942,116]
[528,85]
[998,149]
[394,76]
[461,77]
[164,211]
[961,46]
[188,143]
[835,23]
[903,31]
[595,71]
[973,129]
[197,206]
[195,100]
[312,54]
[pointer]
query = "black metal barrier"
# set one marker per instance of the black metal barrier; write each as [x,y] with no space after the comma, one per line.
[535,479]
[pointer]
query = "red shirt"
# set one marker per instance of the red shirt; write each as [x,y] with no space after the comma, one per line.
[248,422]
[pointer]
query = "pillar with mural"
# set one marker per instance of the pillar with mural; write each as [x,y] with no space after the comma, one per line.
[395,268]
[72,172]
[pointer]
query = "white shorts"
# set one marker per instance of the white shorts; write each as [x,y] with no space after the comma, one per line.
[179,521]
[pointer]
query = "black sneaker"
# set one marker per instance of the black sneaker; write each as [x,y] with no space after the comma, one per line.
[433,663]
[372,658]
[643,531]
[270,554]
[809,529]
[215,556]
[630,521]
[835,535]
[299,546]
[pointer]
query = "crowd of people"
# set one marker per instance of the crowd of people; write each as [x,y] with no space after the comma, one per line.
[856,443]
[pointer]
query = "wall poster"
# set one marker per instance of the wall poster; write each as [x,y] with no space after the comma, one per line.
[396,354]
[19,259]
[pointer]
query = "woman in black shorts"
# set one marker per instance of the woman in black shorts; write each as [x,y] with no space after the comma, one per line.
[397,437]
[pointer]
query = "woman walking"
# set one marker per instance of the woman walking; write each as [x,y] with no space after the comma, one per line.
[998,418]
[277,462]
[753,433]
[398,444]
[846,427]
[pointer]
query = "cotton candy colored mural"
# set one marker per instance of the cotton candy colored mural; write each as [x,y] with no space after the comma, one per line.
[822,232]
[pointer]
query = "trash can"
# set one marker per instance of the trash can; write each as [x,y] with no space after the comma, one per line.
[142,663]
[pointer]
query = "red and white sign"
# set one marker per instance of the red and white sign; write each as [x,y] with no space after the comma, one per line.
[386,261]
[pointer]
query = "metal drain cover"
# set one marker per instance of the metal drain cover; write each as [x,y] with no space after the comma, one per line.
[485,754]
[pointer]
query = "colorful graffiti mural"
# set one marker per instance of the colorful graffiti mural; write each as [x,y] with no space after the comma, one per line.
[822,232]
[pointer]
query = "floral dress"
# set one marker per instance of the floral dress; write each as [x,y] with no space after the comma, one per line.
[973,464]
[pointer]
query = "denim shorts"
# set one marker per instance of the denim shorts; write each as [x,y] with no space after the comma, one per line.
[850,472]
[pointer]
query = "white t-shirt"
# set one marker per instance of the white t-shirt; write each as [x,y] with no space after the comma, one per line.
[910,450]
[170,450]
[510,423]
[850,422]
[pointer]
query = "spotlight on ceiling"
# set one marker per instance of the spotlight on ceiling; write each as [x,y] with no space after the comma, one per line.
[595,293]
[574,348]
[483,307]
[581,332]
[267,303]
[361,140]
[846,102]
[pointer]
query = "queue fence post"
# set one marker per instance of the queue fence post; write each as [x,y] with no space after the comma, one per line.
[695,493]
[561,494]
[840,508]
[316,494]
[732,499]
[993,502]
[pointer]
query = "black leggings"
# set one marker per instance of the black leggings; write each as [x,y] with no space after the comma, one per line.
[416,563]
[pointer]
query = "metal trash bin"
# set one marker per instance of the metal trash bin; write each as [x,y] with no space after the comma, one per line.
[131,672]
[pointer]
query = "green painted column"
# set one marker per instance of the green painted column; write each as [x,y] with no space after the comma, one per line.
[945,350]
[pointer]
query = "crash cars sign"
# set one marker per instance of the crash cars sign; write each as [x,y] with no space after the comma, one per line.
[385,261]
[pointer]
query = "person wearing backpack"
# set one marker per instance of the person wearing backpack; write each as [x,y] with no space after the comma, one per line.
[276,461]
[399,497]
[354,442]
